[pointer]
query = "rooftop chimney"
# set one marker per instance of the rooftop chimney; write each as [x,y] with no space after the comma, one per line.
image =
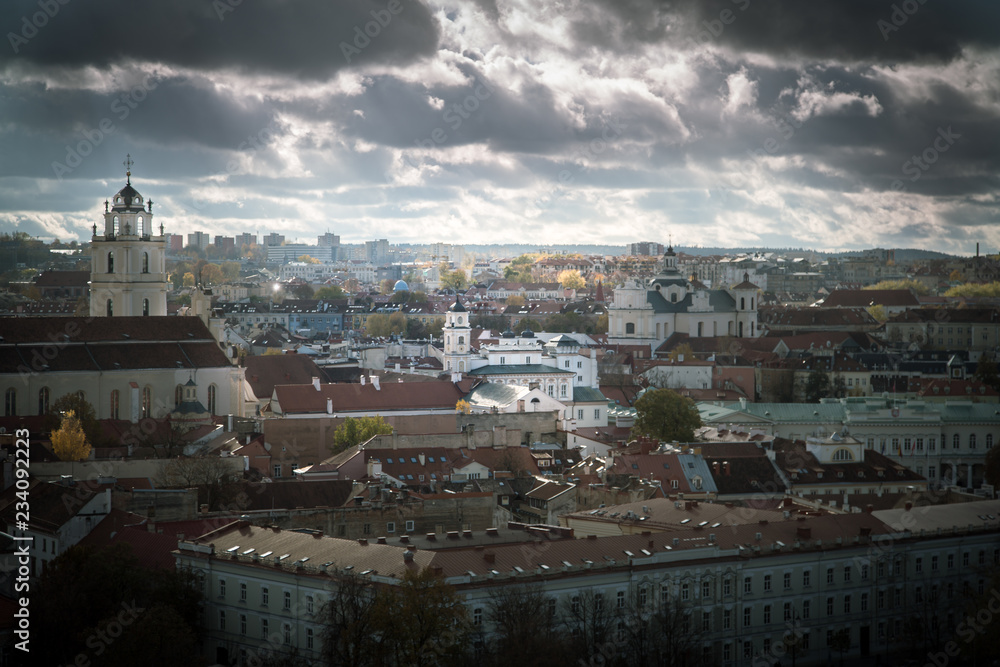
[363,380]
[375,383]
[329,406]
[315,383]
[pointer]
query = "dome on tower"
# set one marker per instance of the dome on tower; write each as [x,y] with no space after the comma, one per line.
[457,307]
[400,286]
[509,333]
[127,199]
[527,333]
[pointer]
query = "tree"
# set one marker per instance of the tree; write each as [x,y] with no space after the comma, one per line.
[397,323]
[841,642]
[986,372]
[515,300]
[356,430]
[877,311]
[817,386]
[69,443]
[525,629]
[188,280]
[602,324]
[422,621]
[348,622]
[308,259]
[377,325]
[571,279]
[454,280]
[213,476]
[435,328]
[302,291]
[401,296]
[211,274]
[975,290]
[83,410]
[85,590]
[666,415]
[915,286]
[231,271]
[463,406]
[329,293]
[992,472]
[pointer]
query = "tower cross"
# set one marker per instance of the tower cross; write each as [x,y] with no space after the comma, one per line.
[128,168]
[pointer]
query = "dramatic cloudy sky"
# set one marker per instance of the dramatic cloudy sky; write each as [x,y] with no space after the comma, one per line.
[719,122]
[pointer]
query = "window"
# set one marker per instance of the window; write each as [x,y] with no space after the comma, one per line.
[115,403]
[243,592]
[575,601]
[43,400]
[211,399]
[178,395]
[263,596]
[685,592]
[748,585]
[579,414]
[263,628]
[747,649]
[706,589]
[919,564]
[787,580]
[965,559]
[390,526]
[727,619]
[309,638]
[955,441]
[829,606]
[410,526]
[788,611]
[847,604]
[477,616]
[222,620]
[727,586]
[288,600]
[630,327]
[767,582]
[951,561]
[847,573]
[864,573]
[746,617]
[243,624]
[145,307]
[367,528]
[222,588]
[806,576]
[829,575]
[286,635]
[551,603]
[111,262]
[989,441]
[310,604]
[147,402]
[767,613]
[145,262]
[972,441]
[805,609]
[277,469]
[110,308]
[621,599]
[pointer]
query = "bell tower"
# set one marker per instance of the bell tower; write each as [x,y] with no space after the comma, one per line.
[457,338]
[128,260]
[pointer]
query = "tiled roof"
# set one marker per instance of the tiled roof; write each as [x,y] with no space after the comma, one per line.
[265,371]
[366,398]
[865,298]
[49,504]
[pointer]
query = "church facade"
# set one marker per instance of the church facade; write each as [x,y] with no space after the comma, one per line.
[670,303]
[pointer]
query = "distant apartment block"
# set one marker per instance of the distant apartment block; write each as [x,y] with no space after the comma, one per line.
[327,240]
[274,239]
[377,252]
[291,252]
[246,239]
[225,243]
[199,240]
[175,242]
[645,249]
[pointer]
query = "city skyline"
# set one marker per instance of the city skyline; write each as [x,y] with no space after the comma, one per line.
[723,123]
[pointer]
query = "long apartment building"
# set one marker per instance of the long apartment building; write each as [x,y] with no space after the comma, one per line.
[754,590]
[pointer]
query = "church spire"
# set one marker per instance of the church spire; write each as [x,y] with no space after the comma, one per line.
[128,168]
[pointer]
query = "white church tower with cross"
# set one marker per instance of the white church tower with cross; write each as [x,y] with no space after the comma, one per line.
[128,273]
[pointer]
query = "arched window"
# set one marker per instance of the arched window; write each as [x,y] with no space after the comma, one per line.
[701,328]
[145,306]
[114,225]
[972,441]
[673,297]
[740,334]
[138,225]
[111,262]
[461,340]
[178,395]
[211,399]
[10,402]
[147,402]
[115,400]
[630,327]
[743,303]
[111,307]
[955,441]
[43,400]
[751,303]
[145,262]
[989,440]
[843,455]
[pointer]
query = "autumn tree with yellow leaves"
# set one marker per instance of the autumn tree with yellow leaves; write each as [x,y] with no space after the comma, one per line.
[69,442]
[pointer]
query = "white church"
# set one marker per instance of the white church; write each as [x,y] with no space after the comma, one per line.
[558,373]
[670,303]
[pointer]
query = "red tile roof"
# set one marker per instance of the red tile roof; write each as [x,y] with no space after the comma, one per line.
[265,371]
[303,399]
[843,298]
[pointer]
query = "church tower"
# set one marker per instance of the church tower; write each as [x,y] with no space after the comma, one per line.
[745,296]
[127,261]
[457,338]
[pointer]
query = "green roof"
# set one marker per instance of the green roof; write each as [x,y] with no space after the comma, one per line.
[793,412]
[588,395]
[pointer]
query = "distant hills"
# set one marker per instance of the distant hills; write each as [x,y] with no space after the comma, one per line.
[513,250]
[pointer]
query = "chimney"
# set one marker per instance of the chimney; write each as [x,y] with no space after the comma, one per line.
[363,380]
[315,383]
[374,468]
[329,406]
[422,459]
[397,368]
[375,380]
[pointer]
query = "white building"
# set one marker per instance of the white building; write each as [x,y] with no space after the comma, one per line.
[128,273]
[670,304]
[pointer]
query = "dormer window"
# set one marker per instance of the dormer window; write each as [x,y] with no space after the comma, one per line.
[673,297]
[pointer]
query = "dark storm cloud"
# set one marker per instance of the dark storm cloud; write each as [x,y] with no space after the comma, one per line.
[846,30]
[300,38]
